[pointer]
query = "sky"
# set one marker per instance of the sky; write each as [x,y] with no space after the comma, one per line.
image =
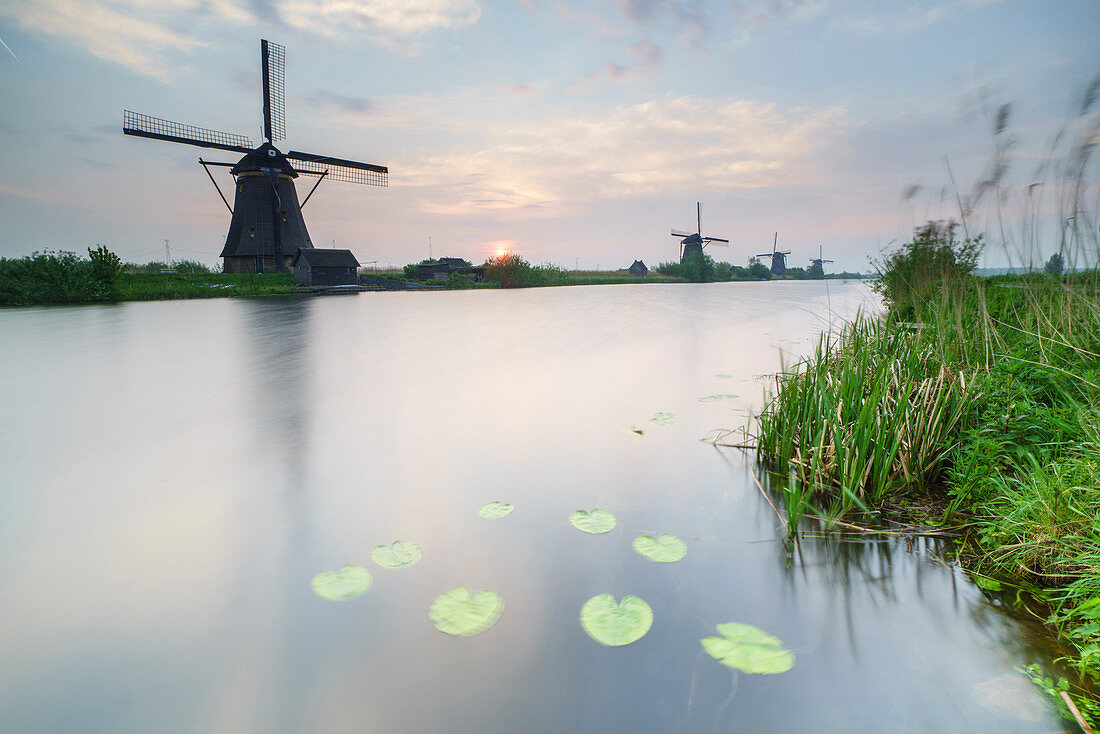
[572,133]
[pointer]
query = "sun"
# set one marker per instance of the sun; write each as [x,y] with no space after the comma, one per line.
[501,252]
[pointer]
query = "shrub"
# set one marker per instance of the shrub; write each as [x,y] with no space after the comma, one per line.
[922,267]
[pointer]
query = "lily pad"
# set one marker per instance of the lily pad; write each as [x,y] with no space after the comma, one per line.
[724,377]
[402,553]
[347,583]
[462,613]
[664,548]
[749,649]
[616,624]
[495,510]
[662,419]
[715,398]
[595,522]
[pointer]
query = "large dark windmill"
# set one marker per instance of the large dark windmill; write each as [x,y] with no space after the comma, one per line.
[694,243]
[779,258]
[266,229]
[819,262]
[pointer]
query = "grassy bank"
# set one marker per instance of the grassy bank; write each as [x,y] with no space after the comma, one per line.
[976,397]
[164,286]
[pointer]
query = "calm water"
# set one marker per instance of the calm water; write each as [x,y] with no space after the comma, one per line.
[175,474]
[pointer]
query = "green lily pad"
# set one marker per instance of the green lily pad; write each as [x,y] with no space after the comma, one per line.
[402,553]
[595,522]
[347,583]
[664,548]
[462,613]
[724,377]
[616,624]
[714,398]
[662,419]
[495,510]
[749,649]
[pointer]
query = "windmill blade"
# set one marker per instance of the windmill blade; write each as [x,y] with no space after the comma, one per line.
[273,67]
[784,252]
[676,233]
[146,126]
[716,239]
[339,169]
[765,254]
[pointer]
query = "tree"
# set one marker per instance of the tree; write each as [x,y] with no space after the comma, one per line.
[758,270]
[1055,264]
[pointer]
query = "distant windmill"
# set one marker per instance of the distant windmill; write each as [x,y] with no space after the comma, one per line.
[779,258]
[818,261]
[692,243]
[266,229]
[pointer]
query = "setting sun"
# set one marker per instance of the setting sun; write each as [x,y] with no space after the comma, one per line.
[501,252]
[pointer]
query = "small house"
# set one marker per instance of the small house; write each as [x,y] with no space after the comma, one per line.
[323,267]
[442,268]
[638,269]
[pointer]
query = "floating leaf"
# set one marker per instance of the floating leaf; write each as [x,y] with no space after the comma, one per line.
[714,398]
[637,430]
[664,548]
[495,510]
[725,377]
[748,648]
[402,553]
[347,583]
[614,624]
[462,613]
[595,522]
[662,419]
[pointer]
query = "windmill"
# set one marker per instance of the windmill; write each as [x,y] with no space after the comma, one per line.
[779,258]
[694,243]
[818,262]
[266,229]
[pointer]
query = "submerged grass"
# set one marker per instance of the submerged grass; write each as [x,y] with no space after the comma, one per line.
[983,402]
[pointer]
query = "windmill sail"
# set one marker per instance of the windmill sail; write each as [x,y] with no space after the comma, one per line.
[339,169]
[273,68]
[147,126]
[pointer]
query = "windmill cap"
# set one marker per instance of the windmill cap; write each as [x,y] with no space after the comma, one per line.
[266,156]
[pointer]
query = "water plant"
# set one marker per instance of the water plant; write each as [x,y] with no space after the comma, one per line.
[495,510]
[463,613]
[614,623]
[399,554]
[662,419]
[662,548]
[748,649]
[594,521]
[347,583]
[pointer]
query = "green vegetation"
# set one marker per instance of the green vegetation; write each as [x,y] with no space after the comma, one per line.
[495,510]
[400,554]
[347,583]
[64,277]
[614,623]
[978,396]
[595,522]
[749,649]
[60,277]
[463,613]
[663,548]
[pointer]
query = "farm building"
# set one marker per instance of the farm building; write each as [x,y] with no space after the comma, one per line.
[638,269]
[321,267]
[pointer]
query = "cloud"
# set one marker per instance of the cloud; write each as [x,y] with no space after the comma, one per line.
[912,18]
[615,72]
[518,89]
[144,36]
[406,18]
[687,18]
[339,102]
[646,54]
[657,148]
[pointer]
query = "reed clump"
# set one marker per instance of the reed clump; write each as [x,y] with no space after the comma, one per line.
[980,396]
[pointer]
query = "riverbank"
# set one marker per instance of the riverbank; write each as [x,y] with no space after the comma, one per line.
[972,403]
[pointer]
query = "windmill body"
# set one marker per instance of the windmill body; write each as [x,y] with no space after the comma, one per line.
[266,229]
[778,258]
[818,262]
[693,244]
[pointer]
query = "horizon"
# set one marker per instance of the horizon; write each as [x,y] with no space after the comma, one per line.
[568,134]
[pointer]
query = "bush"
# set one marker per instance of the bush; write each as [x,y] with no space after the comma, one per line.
[60,277]
[512,271]
[922,267]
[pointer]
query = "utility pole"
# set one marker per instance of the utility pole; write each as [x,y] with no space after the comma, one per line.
[168,259]
[429,247]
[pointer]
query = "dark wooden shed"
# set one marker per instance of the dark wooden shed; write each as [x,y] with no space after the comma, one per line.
[321,267]
[638,269]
